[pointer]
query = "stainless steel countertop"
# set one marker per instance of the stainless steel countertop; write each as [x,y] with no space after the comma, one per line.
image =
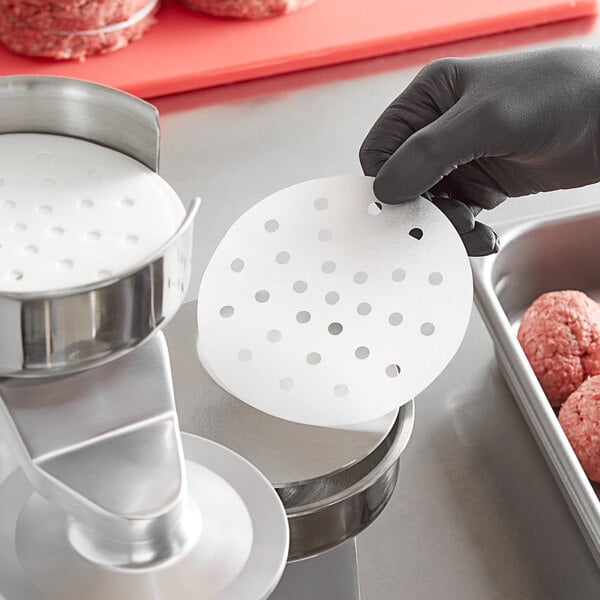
[476,514]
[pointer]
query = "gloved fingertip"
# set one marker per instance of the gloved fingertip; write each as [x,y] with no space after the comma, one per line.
[382,191]
[457,212]
[497,244]
[371,160]
[370,167]
[385,189]
[481,240]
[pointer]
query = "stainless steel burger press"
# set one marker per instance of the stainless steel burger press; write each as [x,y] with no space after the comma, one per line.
[108,499]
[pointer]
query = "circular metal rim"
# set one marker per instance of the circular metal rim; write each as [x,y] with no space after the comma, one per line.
[121,294]
[34,104]
[185,226]
[273,517]
[384,474]
[299,552]
[265,509]
[403,431]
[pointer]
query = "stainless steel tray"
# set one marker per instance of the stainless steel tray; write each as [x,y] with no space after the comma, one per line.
[556,252]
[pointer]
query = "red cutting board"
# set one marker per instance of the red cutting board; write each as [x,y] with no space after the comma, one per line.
[188,51]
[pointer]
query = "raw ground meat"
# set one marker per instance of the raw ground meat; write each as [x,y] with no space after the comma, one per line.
[246,9]
[19,37]
[579,416]
[71,15]
[560,334]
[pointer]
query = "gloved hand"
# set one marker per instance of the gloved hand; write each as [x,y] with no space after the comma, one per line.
[468,133]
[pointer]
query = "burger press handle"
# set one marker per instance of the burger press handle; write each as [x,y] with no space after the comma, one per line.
[63,106]
[104,445]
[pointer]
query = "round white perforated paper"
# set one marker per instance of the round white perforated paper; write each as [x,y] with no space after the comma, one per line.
[73,212]
[321,306]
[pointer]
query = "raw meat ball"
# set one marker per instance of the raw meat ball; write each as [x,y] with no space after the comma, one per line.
[560,334]
[247,9]
[71,15]
[579,416]
[21,38]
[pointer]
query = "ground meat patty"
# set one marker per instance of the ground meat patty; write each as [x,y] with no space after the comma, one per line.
[21,38]
[74,15]
[579,416]
[560,334]
[247,9]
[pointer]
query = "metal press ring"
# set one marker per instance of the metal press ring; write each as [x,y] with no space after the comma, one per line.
[72,329]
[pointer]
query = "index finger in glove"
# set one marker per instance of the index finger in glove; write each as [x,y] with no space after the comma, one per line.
[431,93]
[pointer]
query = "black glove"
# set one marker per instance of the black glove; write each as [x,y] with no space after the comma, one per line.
[468,133]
